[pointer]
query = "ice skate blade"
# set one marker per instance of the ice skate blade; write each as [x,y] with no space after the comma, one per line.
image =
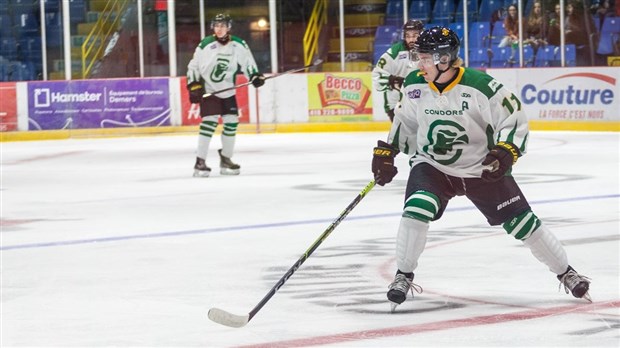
[587,297]
[393,307]
[201,173]
[228,171]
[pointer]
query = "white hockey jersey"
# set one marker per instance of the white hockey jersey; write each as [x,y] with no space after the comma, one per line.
[215,65]
[395,61]
[454,130]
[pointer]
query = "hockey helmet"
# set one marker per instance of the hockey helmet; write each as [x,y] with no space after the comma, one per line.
[222,18]
[441,42]
[413,24]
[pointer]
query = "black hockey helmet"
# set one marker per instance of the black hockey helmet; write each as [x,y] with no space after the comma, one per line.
[440,42]
[413,24]
[222,18]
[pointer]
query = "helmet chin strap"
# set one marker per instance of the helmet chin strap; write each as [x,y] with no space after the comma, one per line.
[440,72]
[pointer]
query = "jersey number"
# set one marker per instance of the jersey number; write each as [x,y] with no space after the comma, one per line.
[508,104]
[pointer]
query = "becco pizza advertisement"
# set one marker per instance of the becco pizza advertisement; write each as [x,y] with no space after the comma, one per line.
[98,104]
[191,112]
[591,94]
[339,97]
[8,107]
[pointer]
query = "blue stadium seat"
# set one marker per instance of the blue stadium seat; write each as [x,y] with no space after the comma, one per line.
[549,55]
[8,48]
[52,5]
[501,57]
[609,30]
[487,7]
[20,71]
[26,24]
[379,50]
[479,34]
[499,32]
[53,36]
[386,34]
[394,21]
[443,11]
[478,58]
[459,29]
[4,69]
[570,55]
[6,26]
[420,10]
[472,11]
[394,8]
[528,57]
[77,11]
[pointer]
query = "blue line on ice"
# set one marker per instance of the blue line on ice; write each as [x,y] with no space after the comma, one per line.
[261,226]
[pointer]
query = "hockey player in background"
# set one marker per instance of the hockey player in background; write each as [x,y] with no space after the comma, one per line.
[464,131]
[394,65]
[213,67]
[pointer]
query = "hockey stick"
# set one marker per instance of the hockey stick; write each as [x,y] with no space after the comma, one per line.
[223,317]
[315,63]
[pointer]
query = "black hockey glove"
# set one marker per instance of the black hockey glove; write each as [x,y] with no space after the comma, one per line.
[257,80]
[395,82]
[195,92]
[500,158]
[383,163]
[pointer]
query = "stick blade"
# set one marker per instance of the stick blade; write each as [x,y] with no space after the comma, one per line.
[223,317]
[317,61]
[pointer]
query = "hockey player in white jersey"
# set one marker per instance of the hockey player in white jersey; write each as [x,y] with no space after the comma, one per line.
[213,67]
[394,65]
[464,131]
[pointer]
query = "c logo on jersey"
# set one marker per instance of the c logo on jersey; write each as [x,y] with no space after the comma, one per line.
[443,136]
[219,71]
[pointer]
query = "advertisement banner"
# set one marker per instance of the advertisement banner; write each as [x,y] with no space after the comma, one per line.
[574,94]
[339,97]
[8,107]
[191,112]
[98,104]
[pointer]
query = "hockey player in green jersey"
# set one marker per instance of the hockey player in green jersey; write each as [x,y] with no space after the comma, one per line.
[394,65]
[213,67]
[464,131]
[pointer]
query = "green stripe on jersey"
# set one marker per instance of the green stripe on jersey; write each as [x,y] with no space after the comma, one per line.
[396,49]
[207,40]
[413,78]
[481,81]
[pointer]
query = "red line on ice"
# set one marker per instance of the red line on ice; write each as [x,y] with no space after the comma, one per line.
[436,326]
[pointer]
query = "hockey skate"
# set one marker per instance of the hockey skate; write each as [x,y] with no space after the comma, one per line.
[227,167]
[200,168]
[574,282]
[399,288]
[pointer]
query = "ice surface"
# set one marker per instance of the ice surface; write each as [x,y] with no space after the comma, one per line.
[112,242]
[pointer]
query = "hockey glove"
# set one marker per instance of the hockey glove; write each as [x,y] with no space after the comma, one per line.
[257,80]
[383,163]
[500,159]
[195,92]
[395,82]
